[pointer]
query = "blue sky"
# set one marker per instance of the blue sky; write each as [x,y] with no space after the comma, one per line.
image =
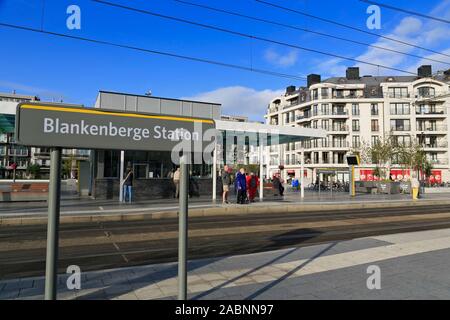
[58,68]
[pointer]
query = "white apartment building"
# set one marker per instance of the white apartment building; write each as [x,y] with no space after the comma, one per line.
[356,109]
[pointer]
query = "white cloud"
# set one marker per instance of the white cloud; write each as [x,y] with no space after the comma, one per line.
[421,32]
[239,100]
[282,60]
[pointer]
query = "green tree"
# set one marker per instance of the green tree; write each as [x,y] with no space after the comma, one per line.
[34,170]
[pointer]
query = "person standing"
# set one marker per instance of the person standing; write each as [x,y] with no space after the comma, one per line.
[415,185]
[241,186]
[176,182]
[128,185]
[252,186]
[226,182]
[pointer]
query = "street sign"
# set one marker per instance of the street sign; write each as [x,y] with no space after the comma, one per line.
[48,125]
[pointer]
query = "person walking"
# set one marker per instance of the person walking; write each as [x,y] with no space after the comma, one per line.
[128,185]
[176,182]
[252,186]
[226,182]
[241,186]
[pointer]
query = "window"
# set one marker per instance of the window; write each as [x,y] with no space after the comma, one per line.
[375,140]
[287,159]
[374,109]
[339,110]
[315,124]
[355,142]
[398,92]
[402,140]
[400,108]
[400,125]
[111,169]
[374,125]
[325,110]
[325,157]
[355,109]
[428,109]
[426,92]
[324,93]
[433,157]
[355,125]
[325,124]
[293,159]
[315,94]
[315,110]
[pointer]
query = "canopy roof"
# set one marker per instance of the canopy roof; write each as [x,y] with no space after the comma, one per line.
[272,135]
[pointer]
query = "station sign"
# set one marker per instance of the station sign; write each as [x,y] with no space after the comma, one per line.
[51,125]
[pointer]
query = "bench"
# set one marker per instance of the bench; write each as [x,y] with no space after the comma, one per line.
[38,187]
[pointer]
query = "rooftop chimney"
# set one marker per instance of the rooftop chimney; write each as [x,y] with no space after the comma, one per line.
[424,71]
[352,73]
[313,79]
[290,89]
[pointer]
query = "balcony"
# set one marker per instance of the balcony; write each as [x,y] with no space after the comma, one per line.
[439,161]
[431,128]
[339,128]
[339,144]
[430,111]
[401,129]
[435,145]
[339,113]
[273,109]
[302,117]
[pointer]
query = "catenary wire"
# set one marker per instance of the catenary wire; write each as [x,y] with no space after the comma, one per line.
[157,52]
[241,34]
[289,26]
[349,27]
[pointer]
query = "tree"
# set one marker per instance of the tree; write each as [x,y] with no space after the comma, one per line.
[34,170]
[380,154]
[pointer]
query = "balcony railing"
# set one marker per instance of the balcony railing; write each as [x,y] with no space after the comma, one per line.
[339,113]
[435,145]
[302,116]
[404,128]
[428,128]
[339,144]
[430,111]
[439,161]
[341,128]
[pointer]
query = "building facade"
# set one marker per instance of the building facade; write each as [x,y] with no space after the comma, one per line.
[10,152]
[357,110]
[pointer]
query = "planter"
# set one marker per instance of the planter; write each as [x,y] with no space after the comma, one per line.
[388,187]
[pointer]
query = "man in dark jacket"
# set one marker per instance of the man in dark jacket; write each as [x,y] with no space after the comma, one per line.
[241,186]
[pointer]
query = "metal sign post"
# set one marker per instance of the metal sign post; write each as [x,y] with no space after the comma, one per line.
[182,228]
[51,267]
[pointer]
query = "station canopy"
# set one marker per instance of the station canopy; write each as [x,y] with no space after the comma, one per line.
[272,135]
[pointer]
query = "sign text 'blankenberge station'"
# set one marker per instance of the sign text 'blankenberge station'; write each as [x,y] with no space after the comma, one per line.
[51,125]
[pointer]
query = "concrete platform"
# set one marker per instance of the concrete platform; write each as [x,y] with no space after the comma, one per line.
[412,266]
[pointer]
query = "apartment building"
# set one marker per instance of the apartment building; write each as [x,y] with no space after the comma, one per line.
[10,152]
[363,109]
